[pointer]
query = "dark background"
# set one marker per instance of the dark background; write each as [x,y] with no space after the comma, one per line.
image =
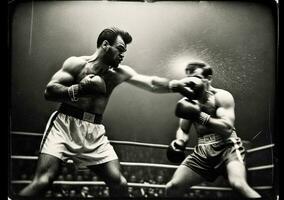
[237,38]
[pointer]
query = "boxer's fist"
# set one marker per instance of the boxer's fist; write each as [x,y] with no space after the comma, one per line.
[195,84]
[176,151]
[187,109]
[91,84]
[190,87]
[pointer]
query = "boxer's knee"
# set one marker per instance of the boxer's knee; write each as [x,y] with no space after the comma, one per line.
[117,181]
[43,180]
[173,189]
[123,182]
[118,187]
[238,184]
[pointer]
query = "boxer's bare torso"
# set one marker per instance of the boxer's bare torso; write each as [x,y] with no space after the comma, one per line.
[83,66]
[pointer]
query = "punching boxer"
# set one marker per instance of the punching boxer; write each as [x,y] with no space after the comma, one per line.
[219,150]
[83,86]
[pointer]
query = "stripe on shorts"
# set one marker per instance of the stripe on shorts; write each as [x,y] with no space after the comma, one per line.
[48,128]
[237,149]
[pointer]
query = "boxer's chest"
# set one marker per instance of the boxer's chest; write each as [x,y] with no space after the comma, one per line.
[111,77]
[210,106]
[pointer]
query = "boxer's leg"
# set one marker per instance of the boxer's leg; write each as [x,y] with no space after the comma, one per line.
[237,178]
[46,171]
[183,178]
[110,172]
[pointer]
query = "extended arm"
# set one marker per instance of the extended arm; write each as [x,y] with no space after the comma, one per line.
[150,83]
[189,87]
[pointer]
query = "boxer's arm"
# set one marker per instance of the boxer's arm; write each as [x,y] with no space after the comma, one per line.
[57,88]
[183,130]
[150,83]
[225,115]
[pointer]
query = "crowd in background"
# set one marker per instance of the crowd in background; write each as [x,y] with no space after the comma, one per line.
[22,169]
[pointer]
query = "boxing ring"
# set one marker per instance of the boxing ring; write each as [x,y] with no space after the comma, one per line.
[141,164]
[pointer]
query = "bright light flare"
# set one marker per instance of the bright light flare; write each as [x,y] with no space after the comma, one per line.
[177,63]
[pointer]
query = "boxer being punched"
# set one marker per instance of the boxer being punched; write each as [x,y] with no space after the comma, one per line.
[83,86]
[219,150]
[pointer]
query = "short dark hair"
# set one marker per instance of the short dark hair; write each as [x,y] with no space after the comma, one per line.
[110,34]
[192,66]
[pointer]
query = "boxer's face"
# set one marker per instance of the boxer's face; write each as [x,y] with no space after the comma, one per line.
[116,52]
[198,72]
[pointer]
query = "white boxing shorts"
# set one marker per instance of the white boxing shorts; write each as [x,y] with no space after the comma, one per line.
[81,138]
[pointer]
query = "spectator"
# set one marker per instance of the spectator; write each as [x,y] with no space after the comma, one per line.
[106,192]
[73,193]
[160,179]
[24,176]
[133,179]
[64,170]
[86,175]
[79,177]
[48,193]
[85,192]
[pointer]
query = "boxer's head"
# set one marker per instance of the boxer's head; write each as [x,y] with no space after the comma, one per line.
[199,69]
[113,42]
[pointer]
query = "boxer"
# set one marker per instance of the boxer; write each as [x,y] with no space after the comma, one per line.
[219,150]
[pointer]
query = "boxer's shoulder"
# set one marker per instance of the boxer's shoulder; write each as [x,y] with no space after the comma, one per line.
[74,64]
[125,71]
[223,96]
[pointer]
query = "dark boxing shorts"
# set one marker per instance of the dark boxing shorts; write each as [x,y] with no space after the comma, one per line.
[212,154]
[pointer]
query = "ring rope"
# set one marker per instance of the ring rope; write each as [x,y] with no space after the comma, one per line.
[162,146]
[26,133]
[145,185]
[137,164]
[260,148]
[260,167]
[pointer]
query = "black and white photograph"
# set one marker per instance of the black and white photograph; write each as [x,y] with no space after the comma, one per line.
[143,99]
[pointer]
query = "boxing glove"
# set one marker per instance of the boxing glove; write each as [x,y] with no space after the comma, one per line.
[191,110]
[91,84]
[187,109]
[190,87]
[176,151]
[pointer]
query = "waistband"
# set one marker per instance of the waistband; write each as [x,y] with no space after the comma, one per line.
[209,138]
[80,114]
[214,138]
